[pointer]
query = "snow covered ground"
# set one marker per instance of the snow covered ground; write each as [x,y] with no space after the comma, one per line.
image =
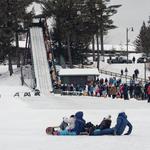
[23,120]
[116,68]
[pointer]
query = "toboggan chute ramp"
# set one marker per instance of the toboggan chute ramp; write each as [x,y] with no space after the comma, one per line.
[40,63]
[40,78]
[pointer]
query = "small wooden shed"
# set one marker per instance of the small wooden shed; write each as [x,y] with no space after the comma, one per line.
[78,75]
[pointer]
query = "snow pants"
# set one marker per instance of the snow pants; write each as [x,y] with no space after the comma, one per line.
[109,131]
[148,98]
[66,132]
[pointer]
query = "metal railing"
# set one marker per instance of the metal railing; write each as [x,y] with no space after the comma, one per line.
[119,75]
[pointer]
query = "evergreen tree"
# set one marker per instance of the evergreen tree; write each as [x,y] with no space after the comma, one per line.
[76,22]
[142,41]
[12,12]
[6,33]
[17,9]
[71,27]
[101,13]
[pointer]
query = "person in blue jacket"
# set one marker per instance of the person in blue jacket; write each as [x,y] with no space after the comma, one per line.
[79,123]
[122,123]
[79,126]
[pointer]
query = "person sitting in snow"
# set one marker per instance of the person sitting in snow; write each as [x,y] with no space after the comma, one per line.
[78,126]
[68,123]
[105,124]
[122,123]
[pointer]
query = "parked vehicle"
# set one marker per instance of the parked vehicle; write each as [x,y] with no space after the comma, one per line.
[88,62]
[129,61]
[141,60]
[119,60]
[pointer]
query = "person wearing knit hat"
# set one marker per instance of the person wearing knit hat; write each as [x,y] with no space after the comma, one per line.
[105,124]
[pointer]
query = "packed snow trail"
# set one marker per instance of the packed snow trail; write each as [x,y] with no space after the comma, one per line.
[41,68]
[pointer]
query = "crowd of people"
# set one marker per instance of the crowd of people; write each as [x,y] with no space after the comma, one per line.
[111,87]
[76,125]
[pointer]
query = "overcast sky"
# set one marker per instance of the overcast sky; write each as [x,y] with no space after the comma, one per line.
[131,14]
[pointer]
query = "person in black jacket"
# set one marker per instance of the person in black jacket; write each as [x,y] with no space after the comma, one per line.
[105,124]
[133,59]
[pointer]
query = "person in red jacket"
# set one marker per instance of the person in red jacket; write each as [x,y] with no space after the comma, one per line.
[148,93]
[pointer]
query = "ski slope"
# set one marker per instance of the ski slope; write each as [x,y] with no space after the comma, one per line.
[41,68]
[24,119]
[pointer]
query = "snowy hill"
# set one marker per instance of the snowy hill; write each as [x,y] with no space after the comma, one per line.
[23,120]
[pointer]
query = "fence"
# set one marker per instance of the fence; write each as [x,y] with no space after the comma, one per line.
[119,75]
[27,76]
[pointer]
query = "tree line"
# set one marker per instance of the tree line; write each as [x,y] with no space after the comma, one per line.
[76,24]
[13,13]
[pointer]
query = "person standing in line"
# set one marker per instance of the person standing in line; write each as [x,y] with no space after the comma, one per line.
[125,92]
[148,93]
